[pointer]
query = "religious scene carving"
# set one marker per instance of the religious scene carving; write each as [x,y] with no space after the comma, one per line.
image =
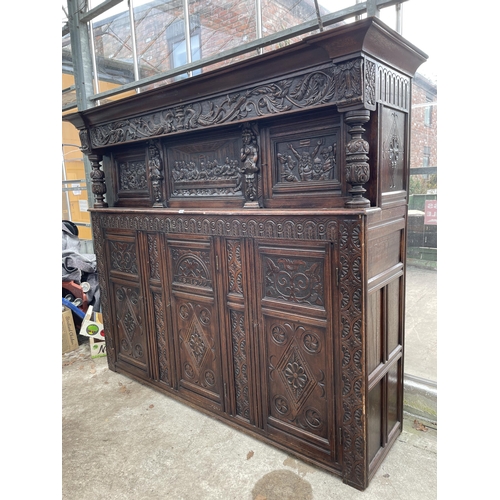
[307,160]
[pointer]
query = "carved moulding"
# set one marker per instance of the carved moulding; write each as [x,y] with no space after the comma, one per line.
[344,84]
[322,228]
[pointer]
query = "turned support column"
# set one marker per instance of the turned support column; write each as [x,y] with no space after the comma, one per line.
[357,169]
[98,184]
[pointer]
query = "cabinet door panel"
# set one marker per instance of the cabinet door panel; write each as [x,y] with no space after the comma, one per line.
[294,291]
[194,318]
[130,331]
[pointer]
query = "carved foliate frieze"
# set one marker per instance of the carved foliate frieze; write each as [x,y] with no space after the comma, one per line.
[341,84]
[294,280]
[281,227]
[353,353]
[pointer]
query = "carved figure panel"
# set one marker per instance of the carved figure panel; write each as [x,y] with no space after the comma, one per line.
[206,168]
[305,160]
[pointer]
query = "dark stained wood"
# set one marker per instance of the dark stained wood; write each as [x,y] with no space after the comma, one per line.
[250,232]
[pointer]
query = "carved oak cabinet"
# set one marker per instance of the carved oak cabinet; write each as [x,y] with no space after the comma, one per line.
[250,225]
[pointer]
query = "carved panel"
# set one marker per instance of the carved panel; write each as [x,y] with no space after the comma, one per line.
[206,168]
[129,324]
[198,352]
[294,280]
[191,267]
[240,364]
[393,151]
[296,364]
[161,338]
[306,160]
[132,176]
[154,257]
[123,257]
[353,353]
[234,266]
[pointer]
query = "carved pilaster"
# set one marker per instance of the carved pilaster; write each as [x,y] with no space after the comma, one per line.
[250,158]
[155,174]
[357,169]
[98,184]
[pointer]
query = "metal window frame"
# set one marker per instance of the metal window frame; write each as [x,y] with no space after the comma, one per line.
[86,74]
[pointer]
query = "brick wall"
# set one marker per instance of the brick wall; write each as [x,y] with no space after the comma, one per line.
[422,135]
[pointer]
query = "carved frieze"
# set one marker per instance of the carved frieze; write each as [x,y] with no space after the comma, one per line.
[283,227]
[342,84]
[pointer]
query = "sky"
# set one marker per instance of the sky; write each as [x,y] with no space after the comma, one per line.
[419,27]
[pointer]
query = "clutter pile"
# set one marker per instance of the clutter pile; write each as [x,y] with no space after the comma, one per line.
[80,289]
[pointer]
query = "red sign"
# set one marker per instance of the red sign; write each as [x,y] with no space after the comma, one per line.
[431,213]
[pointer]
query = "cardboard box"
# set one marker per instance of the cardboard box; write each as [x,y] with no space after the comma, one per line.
[69,338]
[92,325]
[97,348]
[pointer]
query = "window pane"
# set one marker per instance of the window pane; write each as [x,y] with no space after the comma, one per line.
[223,25]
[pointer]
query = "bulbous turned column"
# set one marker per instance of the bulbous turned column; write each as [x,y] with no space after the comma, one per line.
[357,169]
[98,184]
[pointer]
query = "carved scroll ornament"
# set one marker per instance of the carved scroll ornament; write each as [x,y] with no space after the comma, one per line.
[340,84]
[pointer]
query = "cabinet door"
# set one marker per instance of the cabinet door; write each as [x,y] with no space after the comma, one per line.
[294,305]
[128,317]
[194,319]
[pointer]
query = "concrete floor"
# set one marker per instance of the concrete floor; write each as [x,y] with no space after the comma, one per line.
[125,440]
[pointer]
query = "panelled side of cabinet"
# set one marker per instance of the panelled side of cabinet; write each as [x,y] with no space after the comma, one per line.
[250,232]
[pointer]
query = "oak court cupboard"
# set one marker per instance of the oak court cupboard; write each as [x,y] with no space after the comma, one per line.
[250,231]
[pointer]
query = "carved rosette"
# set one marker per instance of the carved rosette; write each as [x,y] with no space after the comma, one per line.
[249,168]
[155,173]
[357,169]
[98,184]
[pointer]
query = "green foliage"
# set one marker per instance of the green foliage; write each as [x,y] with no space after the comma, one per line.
[419,184]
